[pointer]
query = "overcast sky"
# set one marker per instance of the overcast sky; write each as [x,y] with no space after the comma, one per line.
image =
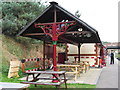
[100,14]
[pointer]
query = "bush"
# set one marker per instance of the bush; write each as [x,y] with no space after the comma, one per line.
[16,15]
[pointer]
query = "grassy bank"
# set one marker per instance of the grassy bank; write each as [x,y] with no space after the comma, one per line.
[17,48]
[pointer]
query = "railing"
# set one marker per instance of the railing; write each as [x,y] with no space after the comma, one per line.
[37,62]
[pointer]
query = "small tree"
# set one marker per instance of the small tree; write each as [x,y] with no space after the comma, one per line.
[16,15]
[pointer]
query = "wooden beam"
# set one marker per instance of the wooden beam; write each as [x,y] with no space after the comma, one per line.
[55,19]
[73,32]
[32,34]
[54,22]
[81,54]
[67,40]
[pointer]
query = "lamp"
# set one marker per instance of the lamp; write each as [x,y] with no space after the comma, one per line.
[80,29]
[88,35]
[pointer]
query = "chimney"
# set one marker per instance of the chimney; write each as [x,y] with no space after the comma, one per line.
[53,3]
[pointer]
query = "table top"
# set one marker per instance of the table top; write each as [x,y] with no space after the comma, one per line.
[80,61]
[84,61]
[68,65]
[46,72]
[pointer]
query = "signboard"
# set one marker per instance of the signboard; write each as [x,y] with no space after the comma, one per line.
[14,68]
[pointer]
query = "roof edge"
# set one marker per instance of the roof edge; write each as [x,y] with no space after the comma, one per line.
[30,23]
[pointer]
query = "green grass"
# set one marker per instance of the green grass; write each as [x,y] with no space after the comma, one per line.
[68,86]
[117,55]
[12,80]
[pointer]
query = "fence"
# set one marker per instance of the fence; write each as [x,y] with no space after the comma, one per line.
[40,64]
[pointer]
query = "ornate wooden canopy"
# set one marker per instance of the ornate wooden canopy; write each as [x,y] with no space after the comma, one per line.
[78,32]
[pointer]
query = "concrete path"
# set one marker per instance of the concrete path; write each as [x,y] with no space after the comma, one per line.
[90,77]
[109,76]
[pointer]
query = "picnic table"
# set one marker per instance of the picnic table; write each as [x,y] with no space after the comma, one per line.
[55,74]
[69,68]
[86,63]
[83,66]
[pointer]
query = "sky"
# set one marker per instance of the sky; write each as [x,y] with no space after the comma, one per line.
[100,14]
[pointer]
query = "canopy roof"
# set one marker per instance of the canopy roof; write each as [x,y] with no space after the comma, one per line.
[113,47]
[81,32]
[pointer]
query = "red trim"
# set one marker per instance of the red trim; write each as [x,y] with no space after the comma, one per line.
[28,71]
[33,59]
[81,54]
[27,60]
[85,57]
[93,65]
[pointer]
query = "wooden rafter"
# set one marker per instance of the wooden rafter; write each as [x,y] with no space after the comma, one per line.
[64,39]
[33,34]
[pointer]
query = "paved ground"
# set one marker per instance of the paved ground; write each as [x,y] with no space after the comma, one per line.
[12,86]
[90,77]
[109,76]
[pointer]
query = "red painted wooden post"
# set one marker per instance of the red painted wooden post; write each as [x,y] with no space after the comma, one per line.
[54,56]
[96,54]
[23,65]
[54,59]
[54,39]
[37,63]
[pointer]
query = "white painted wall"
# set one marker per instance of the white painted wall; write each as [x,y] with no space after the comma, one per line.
[85,49]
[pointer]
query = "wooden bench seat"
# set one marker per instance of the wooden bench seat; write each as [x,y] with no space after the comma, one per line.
[70,69]
[56,79]
[44,83]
